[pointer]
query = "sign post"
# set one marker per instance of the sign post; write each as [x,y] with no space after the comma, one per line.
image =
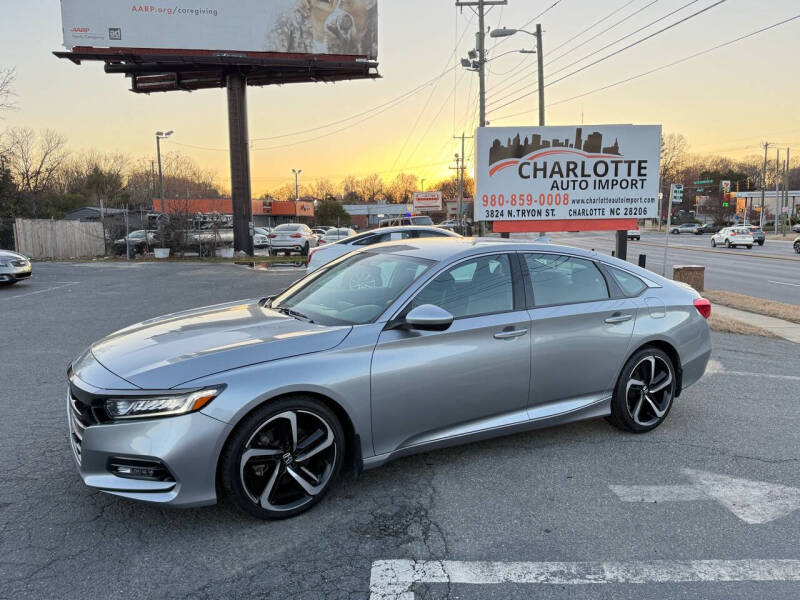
[675,197]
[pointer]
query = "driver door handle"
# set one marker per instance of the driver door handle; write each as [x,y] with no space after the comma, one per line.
[618,318]
[509,335]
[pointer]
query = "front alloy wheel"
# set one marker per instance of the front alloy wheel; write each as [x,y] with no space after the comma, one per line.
[283,458]
[644,392]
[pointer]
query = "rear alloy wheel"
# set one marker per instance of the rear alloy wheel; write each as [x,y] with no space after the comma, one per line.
[644,392]
[797,247]
[282,459]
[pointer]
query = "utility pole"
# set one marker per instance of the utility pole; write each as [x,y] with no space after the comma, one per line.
[423,184]
[777,187]
[481,50]
[785,205]
[460,167]
[763,186]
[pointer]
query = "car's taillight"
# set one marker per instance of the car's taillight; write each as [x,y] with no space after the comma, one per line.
[272,236]
[296,235]
[703,306]
[733,233]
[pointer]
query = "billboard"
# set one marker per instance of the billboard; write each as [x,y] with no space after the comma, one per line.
[427,201]
[348,27]
[567,172]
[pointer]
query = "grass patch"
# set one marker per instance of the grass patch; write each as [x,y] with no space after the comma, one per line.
[726,325]
[760,306]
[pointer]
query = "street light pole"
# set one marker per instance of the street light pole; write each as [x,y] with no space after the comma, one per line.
[160,135]
[296,189]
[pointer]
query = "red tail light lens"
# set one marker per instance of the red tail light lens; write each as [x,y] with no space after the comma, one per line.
[296,235]
[733,233]
[703,306]
[272,236]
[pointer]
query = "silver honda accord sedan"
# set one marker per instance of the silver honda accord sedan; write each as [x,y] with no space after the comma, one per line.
[454,340]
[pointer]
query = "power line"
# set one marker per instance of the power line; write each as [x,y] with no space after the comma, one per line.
[593,53]
[661,68]
[616,52]
[524,75]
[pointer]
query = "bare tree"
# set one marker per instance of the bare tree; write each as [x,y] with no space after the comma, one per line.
[401,190]
[7,78]
[371,188]
[35,159]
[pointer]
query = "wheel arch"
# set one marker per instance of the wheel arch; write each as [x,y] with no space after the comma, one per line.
[353,459]
[670,351]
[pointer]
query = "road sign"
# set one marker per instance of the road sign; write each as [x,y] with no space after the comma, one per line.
[726,186]
[704,182]
[754,502]
[724,205]
[676,193]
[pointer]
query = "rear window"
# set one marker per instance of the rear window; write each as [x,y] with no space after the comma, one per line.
[630,284]
[288,228]
[422,221]
[743,231]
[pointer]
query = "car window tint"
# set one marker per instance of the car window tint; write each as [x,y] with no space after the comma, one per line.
[425,234]
[630,284]
[477,287]
[561,279]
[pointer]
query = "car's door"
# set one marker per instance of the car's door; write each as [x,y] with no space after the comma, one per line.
[429,385]
[581,327]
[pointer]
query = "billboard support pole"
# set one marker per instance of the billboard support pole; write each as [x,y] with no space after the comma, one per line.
[236,84]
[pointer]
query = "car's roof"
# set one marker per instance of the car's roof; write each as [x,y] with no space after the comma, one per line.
[447,249]
[382,230]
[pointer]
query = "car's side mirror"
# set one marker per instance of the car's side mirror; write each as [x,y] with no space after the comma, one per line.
[429,317]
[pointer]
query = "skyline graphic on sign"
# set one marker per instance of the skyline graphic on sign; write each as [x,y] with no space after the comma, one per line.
[516,148]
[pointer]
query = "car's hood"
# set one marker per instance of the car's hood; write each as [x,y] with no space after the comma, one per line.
[165,352]
[8,254]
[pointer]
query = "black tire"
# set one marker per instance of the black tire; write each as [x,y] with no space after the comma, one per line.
[8,283]
[713,243]
[306,249]
[728,244]
[761,243]
[797,247]
[749,246]
[624,412]
[235,477]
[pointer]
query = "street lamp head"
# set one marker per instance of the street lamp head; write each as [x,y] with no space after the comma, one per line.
[169,133]
[466,63]
[502,32]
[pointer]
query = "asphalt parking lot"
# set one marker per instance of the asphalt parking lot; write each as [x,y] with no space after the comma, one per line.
[707,506]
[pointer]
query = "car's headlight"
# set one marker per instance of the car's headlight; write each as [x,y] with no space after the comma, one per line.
[160,406]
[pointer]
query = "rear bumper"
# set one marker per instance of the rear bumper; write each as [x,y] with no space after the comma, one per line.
[187,446]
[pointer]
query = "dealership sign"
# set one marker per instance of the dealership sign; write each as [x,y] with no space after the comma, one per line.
[427,201]
[287,26]
[577,172]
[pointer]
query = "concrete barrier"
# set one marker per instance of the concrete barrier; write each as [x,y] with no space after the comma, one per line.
[694,275]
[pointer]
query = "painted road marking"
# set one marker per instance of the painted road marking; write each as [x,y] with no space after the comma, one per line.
[715,367]
[51,289]
[393,579]
[754,502]
[784,283]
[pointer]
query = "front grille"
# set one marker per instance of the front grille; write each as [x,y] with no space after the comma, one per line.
[80,417]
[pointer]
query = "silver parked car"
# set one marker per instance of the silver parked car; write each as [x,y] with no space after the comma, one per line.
[326,253]
[336,234]
[269,400]
[292,237]
[14,267]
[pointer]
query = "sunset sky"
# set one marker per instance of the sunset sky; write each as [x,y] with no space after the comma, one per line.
[727,102]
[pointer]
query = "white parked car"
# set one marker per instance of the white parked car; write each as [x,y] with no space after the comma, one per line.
[336,234]
[14,267]
[292,237]
[325,254]
[732,237]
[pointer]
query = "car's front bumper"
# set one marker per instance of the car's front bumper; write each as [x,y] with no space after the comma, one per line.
[15,273]
[187,446]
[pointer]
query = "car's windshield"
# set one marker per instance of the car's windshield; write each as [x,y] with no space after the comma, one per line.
[422,221]
[137,235]
[354,291]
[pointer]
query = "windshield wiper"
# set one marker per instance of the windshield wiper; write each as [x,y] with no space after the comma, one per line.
[294,313]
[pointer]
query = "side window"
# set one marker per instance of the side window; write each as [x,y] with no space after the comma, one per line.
[561,279]
[630,284]
[430,234]
[477,287]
